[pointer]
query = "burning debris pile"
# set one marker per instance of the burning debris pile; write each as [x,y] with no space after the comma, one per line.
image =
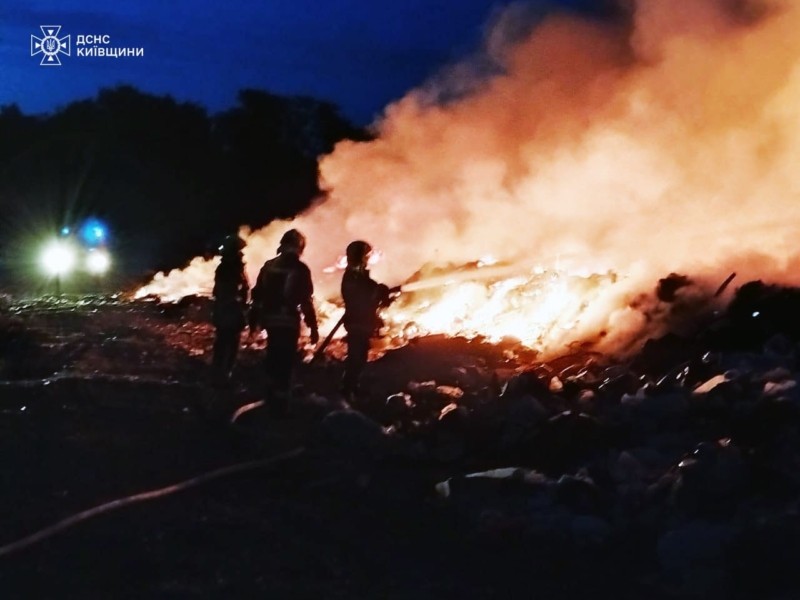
[584,168]
[528,214]
[690,449]
[597,157]
[587,163]
[685,453]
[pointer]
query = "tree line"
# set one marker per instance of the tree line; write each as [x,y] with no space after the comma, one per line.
[170,179]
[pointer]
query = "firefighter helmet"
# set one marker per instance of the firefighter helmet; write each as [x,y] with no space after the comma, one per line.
[292,241]
[358,253]
[232,244]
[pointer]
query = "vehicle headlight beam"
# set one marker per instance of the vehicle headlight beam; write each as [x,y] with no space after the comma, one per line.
[58,258]
[98,262]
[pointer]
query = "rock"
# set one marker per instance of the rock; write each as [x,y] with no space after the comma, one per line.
[774,389]
[663,353]
[513,494]
[777,374]
[626,469]
[417,387]
[631,400]
[579,494]
[453,417]
[617,381]
[353,431]
[709,385]
[522,416]
[525,383]
[450,392]
[698,370]
[587,400]
[564,441]
[665,407]
[398,406]
[513,474]
[450,431]
[470,377]
[711,479]
[670,445]
[651,462]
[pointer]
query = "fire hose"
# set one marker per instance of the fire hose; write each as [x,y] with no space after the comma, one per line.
[320,351]
[85,515]
[424,284]
[391,294]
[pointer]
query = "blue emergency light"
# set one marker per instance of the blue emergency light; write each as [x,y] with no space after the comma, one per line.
[93,232]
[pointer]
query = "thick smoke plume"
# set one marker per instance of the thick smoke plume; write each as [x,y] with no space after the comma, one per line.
[667,140]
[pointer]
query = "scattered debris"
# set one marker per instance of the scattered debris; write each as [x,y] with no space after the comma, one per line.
[691,447]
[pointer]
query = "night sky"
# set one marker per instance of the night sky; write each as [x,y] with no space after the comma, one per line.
[360,54]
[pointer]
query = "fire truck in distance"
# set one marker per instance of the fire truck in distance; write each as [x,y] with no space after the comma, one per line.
[82,249]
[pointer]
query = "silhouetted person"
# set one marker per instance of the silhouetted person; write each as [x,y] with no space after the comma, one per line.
[363,298]
[230,305]
[282,293]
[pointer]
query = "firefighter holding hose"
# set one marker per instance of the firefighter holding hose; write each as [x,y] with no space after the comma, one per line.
[363,298]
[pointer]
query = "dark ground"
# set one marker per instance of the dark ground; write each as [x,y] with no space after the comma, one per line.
[128,408]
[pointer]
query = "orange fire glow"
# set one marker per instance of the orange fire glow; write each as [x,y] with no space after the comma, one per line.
[540,309]
[666,140]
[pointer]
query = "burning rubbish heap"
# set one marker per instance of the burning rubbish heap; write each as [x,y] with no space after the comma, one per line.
[586,163]
[541,310]
[691,447]
[687,449]
[585,166]
[686,445]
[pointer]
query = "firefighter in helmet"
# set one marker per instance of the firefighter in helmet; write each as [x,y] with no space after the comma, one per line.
[363,298]
[230,306]
[282,293]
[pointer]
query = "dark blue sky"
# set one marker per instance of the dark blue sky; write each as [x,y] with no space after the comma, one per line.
[360,54]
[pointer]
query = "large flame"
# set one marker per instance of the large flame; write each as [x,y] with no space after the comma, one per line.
[666,140]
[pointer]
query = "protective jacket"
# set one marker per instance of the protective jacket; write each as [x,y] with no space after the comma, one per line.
[283,291]
[230,294]
[363,297]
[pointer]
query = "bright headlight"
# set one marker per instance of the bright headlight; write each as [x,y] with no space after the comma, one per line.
[58,258]
[98,262]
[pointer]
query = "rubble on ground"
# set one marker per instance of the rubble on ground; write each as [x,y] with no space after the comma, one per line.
[690,448]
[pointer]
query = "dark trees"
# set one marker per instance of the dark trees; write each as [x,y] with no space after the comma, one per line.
[169,178]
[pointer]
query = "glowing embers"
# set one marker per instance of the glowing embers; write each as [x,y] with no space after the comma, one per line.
[536,309]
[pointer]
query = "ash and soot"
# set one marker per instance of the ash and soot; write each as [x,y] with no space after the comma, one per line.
[597,157]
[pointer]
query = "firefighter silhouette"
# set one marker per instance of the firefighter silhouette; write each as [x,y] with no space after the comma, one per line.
[363,298]
[230,306]
[282,293]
